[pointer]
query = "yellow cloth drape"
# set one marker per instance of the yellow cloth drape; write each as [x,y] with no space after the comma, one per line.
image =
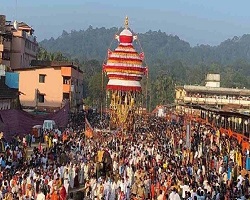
[46,138]
[218,133]
[239,159]
[50,142]
[99,156]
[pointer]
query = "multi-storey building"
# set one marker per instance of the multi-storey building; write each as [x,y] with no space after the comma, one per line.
[47,85]
[18,46]
[212,94]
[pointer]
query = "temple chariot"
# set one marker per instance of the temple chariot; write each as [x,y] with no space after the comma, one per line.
[125,69]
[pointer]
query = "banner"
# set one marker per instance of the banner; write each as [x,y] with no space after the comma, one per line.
[188,137]
[248,163]
[230,133]
[88,129]
[245,145]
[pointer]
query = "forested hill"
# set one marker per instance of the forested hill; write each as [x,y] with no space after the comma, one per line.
[171,61]
[158,46]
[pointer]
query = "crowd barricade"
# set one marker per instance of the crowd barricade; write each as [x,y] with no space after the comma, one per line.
[242,139]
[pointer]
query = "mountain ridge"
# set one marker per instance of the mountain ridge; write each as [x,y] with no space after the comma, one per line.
[93,43]
[171,61]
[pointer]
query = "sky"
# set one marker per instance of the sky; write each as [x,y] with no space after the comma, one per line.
[195,21]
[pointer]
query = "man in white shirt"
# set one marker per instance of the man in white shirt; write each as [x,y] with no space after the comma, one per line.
[174,196]
[240,177]
[185,188]
[161,195]
[40,196]
[55,140]
[207,186]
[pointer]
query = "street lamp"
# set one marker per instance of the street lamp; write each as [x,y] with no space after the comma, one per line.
[235,123]
[209,116]
[246,123]
[240,127]
[222,121]
[213,119]
[229,119]
[217,120]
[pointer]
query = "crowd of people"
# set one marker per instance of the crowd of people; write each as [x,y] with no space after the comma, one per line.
[161,159]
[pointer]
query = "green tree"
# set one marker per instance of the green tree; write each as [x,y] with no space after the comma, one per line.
[43,54]
[161,91]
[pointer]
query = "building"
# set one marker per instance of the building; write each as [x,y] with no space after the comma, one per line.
[212,94]
[46,85]
[18,46]
[227,108]
[9,97]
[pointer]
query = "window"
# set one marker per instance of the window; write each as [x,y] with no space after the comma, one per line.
[6,55]
[42,78]
[65,96]
[41,98]
[66,80]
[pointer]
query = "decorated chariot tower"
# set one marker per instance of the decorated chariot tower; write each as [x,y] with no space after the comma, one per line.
[124,68]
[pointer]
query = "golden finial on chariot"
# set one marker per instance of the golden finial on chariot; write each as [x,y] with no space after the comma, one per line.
[126,22]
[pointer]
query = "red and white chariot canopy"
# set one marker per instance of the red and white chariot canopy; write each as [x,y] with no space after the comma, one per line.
[124,65]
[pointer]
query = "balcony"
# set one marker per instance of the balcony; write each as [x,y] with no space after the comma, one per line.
[29,37]
[214,101]
[30,52]
[6,55]
[7,45]
[66,88]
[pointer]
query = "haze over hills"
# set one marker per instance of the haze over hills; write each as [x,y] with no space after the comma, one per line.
[171,61]
[94,42]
